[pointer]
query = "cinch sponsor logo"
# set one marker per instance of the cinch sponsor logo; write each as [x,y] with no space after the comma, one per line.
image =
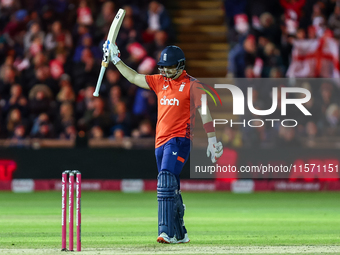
[167,101]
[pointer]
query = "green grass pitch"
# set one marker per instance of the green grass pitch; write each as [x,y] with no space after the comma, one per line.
[219,222]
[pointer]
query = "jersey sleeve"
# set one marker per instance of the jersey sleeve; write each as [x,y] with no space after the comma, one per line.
[153,82]
[196,92]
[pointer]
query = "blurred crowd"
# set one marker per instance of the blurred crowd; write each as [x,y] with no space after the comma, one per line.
[286,38]
[50,56]
[262,33]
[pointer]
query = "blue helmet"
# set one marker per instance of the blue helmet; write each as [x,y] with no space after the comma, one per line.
[172,55]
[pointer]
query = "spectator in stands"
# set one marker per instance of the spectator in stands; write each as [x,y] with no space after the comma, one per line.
[14,27]
[85,101]
[118,134]
[242,55]
[96,133]
[14,119]
[56,66]
[36,46]
[40,100]
[293,7]
[318,18]
[148,105]
[134,12]
[43,76]
[86,43]
[157,19]
[113,78]
[65,120]
[97,116]
[311,130]
[18,138]
[115,97]
[42,118]
[327,97]
[272,58]
[249,72]
[66,95]
[256,8]
[128,34]
[70,133]
[287,138]
[45,131]
[39,60]
[334,21]
[144,130]
[158,44]
[8,78]
[275,73]
[332,120]
[65,80]
[79,32]
[19,134]
[86,71]
[16,100]
[233,8]
[84,14]
[59,65]
[105,18]
[301,34]
[122,118]
[312,32]
[269,29]
[33,32]
[58,37]
[47,15]
[9,61]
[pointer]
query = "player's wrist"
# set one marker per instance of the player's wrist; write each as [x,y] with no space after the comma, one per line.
[212,140]
[209,129]
[115,59]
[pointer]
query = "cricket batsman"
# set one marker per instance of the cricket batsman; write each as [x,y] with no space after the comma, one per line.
[173,132]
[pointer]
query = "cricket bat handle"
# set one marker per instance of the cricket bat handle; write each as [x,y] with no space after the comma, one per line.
[99,81]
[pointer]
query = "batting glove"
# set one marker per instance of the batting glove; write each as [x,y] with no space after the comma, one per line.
[114,53]
[214,150]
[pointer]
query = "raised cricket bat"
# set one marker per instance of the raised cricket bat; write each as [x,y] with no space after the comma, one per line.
[111,37]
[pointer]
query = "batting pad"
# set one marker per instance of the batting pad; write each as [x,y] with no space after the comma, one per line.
[167,188]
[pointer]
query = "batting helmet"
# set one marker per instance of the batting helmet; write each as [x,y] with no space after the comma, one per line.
[171,55]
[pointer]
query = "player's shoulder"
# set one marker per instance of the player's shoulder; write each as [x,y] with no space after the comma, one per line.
[154,80]
[154,76]
[189,77]
[193,81]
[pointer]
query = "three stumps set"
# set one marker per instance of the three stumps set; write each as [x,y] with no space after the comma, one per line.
[71,174]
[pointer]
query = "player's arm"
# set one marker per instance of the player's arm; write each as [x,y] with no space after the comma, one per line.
[214,149]
[130,74]
[206,118]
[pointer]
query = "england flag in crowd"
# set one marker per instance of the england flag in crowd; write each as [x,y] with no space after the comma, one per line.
[315,58]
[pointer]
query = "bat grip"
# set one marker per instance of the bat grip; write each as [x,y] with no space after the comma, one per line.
[99,82]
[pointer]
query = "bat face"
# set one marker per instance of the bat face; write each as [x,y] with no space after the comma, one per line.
[113,32]
[115,26]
